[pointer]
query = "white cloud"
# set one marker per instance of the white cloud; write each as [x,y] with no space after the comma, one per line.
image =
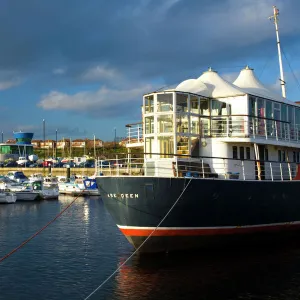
[98,73]
[103,102]
[7,84]
[59,71]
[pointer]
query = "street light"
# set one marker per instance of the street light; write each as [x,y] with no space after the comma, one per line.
[56,144]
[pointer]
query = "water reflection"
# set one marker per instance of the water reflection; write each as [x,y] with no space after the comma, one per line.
[242,274]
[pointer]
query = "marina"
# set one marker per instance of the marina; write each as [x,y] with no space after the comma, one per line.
[196,197]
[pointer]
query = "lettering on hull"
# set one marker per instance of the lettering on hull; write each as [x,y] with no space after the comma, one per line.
[123,196]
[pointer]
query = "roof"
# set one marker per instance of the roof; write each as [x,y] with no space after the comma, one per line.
[211,84]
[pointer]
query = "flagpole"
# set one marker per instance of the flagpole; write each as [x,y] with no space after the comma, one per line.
[282,82]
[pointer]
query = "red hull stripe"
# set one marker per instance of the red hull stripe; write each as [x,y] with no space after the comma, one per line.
[145,231]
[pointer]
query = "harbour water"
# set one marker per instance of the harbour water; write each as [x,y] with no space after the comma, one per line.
[83,247]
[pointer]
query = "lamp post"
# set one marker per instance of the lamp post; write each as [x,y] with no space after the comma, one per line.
[44,137]
[56,144]
[2,136]
[115,138]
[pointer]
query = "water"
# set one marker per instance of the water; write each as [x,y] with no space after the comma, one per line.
[83,247]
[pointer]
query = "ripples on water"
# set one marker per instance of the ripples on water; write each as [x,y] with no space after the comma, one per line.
[83,247]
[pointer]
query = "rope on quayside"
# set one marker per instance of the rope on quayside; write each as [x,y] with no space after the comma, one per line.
[137,249]
[39,231]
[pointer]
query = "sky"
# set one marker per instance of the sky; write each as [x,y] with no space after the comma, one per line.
[83,66]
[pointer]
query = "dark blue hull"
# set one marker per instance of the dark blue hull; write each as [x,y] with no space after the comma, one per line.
[209,212]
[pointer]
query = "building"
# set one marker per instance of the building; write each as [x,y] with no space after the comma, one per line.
[21,146]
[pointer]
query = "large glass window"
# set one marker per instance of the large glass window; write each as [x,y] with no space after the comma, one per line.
[182,145]
[165,123]
[182,123]
[283,112]
[195,125]
[204,107]
[149,104]
[166,146]
[182,103]
[194,104]
[164,102]
[149,143]
[149,125]
[218,108]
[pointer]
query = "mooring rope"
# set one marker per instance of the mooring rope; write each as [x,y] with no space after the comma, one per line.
[39,231]
[137,249]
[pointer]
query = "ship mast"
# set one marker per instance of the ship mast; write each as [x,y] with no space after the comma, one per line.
[275,18]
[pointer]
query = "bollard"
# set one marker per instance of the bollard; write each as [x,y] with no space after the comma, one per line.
[68,172]
[49,169]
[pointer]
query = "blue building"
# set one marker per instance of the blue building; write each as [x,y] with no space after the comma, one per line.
[21,148]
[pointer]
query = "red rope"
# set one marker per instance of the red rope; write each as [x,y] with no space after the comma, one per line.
[38,232]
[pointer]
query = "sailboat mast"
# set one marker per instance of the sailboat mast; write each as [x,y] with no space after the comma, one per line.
[275,18]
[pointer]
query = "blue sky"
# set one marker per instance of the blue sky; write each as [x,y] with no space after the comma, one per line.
[83,66]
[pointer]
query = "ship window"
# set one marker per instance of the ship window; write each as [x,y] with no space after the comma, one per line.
[149,104]
[247,152]
[281,155]
[204,107]
[165,123]
[164,102]
[242,153]
[252,106]
[149,125]
[291,117]
[194,105]
[218,108]
[149,143]
[166,146]
[195,127]
[181,103]
[182,123]
[234,152]
[182,145]
[283,112]
[294,156]
[266,154]
[298,158]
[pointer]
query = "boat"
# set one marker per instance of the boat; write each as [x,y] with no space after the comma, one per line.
[50,191]
[35,177]
[90,187]
[70,187]
[220,166]
[50,181]
[7,197]
[18,176]
[22,190]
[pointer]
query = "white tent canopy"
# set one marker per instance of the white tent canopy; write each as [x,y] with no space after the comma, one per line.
[211,84]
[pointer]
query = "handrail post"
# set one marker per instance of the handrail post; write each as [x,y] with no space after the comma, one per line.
[177,171]
[290,173]
[202,168]
[225,175]
[227,126]
[276,130]
[243,170]
[266,131]
[271,171]
[280,166]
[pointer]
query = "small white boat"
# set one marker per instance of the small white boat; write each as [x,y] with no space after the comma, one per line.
[35,177]
[18,176]
[72,188]
[42,191]
[7,197]
[50,180]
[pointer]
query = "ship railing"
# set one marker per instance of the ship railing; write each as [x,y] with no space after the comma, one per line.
[134,133]
[256,127]
[199,167]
